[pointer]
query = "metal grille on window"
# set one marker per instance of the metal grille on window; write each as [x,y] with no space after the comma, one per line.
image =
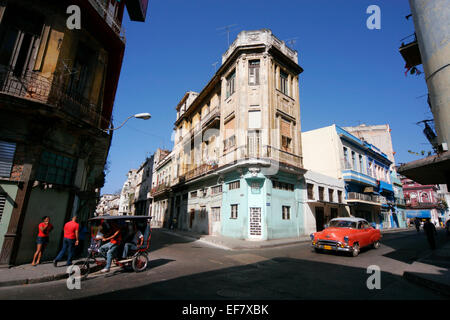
[56,169]
[7,151]
[2,204]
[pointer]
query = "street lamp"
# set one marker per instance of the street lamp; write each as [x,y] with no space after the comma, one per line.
[144,116]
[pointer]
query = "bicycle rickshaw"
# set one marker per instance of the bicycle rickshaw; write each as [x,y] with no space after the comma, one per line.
[137,260]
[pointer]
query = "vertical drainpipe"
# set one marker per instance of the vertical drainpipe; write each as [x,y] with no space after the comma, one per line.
[431,22]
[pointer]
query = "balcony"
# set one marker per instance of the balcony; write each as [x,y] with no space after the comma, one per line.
[198,171]
[410,52]
[33,86]
[366,198]
[160,189]
[212,116]
[111,21]
[400,202]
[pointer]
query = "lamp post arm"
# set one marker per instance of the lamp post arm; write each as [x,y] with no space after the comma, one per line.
[121,124]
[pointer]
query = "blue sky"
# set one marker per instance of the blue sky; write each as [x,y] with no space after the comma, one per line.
[352,74]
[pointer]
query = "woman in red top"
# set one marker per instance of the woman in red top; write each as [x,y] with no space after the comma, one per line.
[42,239]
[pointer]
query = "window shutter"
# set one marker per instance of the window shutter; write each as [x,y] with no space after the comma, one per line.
[285,128]
[229,128]
[254,119]
[7,151]
[2,204]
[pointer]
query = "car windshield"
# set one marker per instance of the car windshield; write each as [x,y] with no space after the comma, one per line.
[342,224]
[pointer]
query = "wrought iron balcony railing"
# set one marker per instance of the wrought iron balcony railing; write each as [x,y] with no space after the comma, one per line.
[111,21]
[32,85]
[366,197]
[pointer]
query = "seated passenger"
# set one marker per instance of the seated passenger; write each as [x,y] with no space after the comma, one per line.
[138,240]
[109,249]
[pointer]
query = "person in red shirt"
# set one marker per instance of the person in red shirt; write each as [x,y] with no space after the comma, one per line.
[69,242]
[109,249]
[44,229]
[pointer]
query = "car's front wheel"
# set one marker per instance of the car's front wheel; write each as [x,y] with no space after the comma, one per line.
[355,250]
[376,244]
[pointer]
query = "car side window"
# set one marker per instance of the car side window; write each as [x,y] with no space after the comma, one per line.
[365,225]
[360,225]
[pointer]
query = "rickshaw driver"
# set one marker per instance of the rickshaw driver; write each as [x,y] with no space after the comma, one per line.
[109,249]
[138,240]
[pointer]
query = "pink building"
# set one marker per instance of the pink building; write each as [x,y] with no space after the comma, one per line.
[421,200]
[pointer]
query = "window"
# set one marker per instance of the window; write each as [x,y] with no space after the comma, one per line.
[310,188]
[254,119]
[7,151]
[234,185]
[216,189]
[361,168]
[339,196]
[230,83]
[286,212]
[282,185]
[286,143]
[56,169]
[334,213]
[215,213]
[354,160]
[230,138]
[194,194]
[20,38]
[81,77]
[229,143]
[321,189]
[2,204]
[254,144]
[234,211]
[331,195]
[284,82]
[286,135]
[253,72]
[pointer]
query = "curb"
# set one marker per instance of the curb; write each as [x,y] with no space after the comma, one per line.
[430,284]
[43,279]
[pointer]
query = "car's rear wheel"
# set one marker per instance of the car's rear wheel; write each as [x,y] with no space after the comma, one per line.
[376,244]
[355,250]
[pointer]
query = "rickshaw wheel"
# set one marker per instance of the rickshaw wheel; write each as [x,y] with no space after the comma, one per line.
[139,262]
[84,268]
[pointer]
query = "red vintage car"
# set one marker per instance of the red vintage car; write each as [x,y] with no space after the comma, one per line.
[347,235]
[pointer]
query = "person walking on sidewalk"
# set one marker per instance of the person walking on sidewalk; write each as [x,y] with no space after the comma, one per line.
[430,231]
[69,242]
[417,224]
[44,229]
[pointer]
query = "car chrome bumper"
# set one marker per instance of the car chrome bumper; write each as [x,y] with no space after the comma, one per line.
[333,248]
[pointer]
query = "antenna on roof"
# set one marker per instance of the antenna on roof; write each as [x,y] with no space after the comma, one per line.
[227,31]
[215,66]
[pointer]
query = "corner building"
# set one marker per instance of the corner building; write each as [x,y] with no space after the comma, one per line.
[237,156]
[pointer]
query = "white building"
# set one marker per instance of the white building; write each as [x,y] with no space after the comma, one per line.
[324,200]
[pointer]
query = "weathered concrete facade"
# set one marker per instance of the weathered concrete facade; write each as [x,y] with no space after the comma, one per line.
[237,136]
[57,88]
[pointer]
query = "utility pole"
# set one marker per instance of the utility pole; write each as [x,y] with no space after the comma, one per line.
[432,29]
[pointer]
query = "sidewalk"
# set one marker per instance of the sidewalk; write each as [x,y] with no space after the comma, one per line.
[27,274]
[432,270]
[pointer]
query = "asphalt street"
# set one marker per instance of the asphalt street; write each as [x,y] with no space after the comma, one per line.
[183,269]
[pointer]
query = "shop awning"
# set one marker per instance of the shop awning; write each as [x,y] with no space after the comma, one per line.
[422,214]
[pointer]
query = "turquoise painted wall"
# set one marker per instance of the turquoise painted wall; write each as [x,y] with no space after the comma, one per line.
[235,228]
[269,199]
[11,192]
[276,225]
